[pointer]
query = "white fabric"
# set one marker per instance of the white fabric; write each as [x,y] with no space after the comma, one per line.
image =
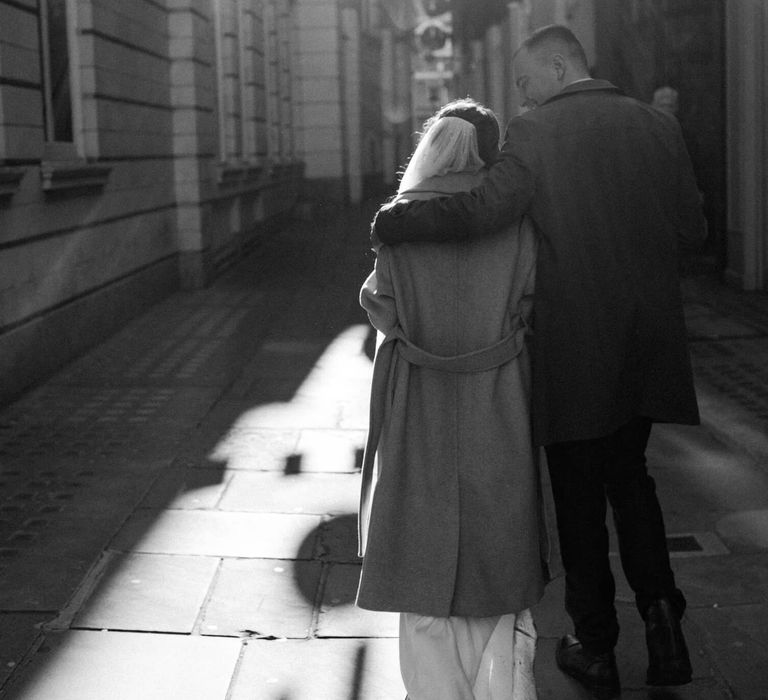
[448,146]
[468,658]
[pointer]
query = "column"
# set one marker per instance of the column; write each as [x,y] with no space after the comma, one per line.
[192,79]
[747,143]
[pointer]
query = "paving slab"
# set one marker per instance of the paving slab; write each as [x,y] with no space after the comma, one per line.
[224,293]
[36,499]
[320,669]
[347,378]
[171,343]
[736,641]
[732,580]
[149,592]
[85,665]
[289,359]
[733,404]
[284,415]
[338,539]
[696,468]
[353,415]
[237,447]
[43,570]
[115,408]
[107,498]
[187,489]
[267,492]
[211,533]
[340,617]
[262,597]
[702,321]
[746,531]
[727,301]
[110,429]
[34,582]
[261,390]
[331,450]
[698,689]
[18,632]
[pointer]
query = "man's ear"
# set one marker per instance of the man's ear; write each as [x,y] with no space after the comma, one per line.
[559,65]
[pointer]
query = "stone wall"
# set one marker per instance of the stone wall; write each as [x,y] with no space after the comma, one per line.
[162,180]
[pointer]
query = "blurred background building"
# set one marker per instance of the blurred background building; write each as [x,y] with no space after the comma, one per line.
[147,145]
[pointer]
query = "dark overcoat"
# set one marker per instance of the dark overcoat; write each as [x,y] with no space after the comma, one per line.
[609,185]
[457,522]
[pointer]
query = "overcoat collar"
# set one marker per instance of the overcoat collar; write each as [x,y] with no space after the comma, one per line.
[590,85]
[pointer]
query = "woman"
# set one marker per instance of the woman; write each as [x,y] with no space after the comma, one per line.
[451,514]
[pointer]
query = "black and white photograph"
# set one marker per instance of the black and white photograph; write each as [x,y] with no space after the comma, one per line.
[384,349]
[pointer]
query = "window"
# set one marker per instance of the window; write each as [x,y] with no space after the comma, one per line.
[227,19]
[254,78]
[277,78]
[239,61]
[369,15]
[63,164]
[56,36]
[272,79]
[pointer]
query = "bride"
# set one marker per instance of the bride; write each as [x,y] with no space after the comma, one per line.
[453,516]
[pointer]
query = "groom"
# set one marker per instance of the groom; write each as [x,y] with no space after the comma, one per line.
[610,188]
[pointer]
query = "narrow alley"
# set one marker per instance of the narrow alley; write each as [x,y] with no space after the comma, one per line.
[178,505]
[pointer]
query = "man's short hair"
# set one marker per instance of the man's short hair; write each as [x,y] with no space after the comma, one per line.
[559,37]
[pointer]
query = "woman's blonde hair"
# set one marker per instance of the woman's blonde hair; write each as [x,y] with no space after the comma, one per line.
[462,136]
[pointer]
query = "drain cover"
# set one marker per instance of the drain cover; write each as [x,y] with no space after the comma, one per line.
[683,543]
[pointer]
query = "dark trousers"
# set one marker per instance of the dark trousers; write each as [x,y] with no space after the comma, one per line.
[583,474]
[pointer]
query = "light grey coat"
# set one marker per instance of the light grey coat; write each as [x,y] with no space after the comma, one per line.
[453,519]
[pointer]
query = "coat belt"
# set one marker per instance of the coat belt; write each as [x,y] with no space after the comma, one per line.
[481,360]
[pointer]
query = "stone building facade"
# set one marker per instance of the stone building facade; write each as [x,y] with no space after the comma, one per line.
[146,145]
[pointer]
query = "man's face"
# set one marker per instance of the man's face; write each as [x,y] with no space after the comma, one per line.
[536,78]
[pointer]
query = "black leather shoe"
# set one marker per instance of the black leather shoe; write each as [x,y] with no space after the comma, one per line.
[668,660]
[596,672]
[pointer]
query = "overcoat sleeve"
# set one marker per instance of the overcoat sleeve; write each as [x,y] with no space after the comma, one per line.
[377,295]
[504,196]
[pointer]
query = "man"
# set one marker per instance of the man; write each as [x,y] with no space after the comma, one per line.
[666,99]
[609,186]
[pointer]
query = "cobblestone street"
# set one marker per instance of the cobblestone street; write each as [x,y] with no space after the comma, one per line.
[177,506]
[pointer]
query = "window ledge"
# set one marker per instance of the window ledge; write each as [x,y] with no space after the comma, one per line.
[240,175]
[288,171]
[10,179]
[59,176]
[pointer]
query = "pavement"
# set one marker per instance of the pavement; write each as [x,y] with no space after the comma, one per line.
[177,506]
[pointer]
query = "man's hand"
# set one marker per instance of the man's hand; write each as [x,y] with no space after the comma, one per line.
[384,225]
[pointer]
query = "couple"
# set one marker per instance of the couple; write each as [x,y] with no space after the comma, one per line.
[594,193]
